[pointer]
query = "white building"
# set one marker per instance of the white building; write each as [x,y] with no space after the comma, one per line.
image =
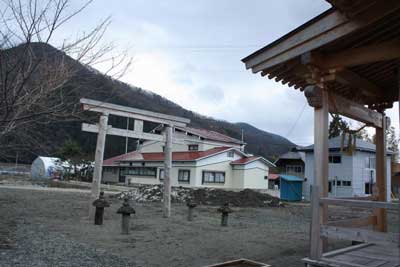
[350,174]
[204,159]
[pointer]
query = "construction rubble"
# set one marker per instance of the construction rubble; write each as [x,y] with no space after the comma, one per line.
[202,196]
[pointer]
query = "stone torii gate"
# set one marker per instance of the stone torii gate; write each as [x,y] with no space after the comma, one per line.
[139,116]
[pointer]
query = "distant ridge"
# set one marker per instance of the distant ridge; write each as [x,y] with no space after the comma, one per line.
[103,88]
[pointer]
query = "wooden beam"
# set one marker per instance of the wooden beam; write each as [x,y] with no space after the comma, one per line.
[167,172]
[381,157]
[356,222]
[353,110]
[93,128]
[353,80]
[362,55]
[327,28]
[359,203]
[98,162]
[360,235]
[145,115]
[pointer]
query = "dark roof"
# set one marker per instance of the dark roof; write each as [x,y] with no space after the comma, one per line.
[291,155]
[212,135]
[335,144]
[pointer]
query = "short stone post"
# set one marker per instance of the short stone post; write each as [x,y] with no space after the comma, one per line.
[225,210]
[100,204]
[126,210]
[191,205]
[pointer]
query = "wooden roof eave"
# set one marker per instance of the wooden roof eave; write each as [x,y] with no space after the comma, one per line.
[325,28]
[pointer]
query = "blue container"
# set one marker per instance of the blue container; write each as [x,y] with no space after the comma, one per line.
[291,187]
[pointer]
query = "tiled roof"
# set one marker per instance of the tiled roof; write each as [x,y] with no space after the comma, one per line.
[273,176]
[212,135]
[245,160]
[159,156]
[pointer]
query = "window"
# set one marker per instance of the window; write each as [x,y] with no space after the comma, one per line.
[161,174]
[184,176]
[193,147]
[371,163]
[330,187]
[335,159]
[230,154]
[140,171]
[294,169]
[346,183]
[213,177]
[114,170]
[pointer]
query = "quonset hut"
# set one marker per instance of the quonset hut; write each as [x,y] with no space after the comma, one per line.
[46,168]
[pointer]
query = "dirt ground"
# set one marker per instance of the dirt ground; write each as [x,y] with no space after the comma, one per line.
[50,228]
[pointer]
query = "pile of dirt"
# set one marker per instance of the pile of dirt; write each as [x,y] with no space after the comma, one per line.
[244,198]
[202,196]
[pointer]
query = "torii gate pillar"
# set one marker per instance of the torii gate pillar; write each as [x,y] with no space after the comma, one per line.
[98,163]
[167,171]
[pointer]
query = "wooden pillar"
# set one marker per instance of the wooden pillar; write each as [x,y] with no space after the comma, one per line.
[381,161]
[315,229]
[98,164]
[321,152]
[167,171]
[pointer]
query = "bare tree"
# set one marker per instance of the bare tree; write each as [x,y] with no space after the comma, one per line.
[35,78]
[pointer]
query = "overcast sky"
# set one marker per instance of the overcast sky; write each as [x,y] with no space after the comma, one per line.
[190,52]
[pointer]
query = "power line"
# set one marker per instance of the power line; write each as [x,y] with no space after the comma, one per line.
[297,120]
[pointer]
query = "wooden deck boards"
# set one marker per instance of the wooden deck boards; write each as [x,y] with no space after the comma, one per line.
[366,255]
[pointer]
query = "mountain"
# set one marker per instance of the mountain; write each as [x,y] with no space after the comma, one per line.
[95,85]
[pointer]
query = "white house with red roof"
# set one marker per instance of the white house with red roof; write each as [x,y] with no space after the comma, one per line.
[204,159]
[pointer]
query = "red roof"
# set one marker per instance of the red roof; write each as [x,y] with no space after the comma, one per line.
[159,156]
[245,160]
[273,176]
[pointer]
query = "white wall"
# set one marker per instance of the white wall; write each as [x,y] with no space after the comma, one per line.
[352,168]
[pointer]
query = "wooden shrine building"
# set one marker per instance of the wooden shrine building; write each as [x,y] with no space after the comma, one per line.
[346,61]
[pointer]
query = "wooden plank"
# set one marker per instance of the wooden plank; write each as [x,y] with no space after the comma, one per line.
[346,249]
[321,123]
[326,29]
[381,157]
[315,232]
[98,162]
[356,222]
[358,203]
[360,235]
[362,55]
[145,115]
[167,172]
[377,256]
[353,110]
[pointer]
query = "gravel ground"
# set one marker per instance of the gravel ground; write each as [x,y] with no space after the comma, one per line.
[45,228]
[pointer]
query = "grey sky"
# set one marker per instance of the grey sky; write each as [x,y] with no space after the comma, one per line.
[190,52]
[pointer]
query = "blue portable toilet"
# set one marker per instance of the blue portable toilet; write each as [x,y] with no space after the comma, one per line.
[291,187]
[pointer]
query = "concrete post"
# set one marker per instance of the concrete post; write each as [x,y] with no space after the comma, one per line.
[98,164]
[167,171]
